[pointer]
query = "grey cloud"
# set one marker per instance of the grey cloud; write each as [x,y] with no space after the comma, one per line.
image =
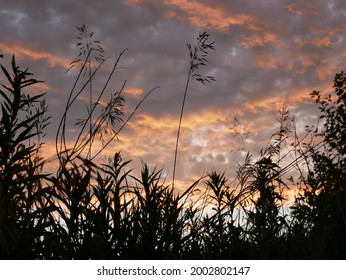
[277,53]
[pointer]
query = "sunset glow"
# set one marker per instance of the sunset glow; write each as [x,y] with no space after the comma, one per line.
[267,53]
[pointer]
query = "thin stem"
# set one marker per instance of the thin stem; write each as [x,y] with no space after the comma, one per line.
[81,146]
[70,101]
[198,58]
[179,126]
[124,124]
[90,104]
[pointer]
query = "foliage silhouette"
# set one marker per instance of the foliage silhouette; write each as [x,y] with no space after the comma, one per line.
[320,210]
[91,211]
[21,194]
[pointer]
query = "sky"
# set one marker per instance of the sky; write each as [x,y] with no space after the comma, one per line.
[267,53]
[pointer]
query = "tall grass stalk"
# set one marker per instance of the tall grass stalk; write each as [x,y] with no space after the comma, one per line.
[108,115]
[198,54]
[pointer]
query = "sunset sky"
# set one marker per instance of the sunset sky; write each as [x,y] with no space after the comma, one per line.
[267,52]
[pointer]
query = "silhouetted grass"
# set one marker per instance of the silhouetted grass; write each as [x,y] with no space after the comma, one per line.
[105,212]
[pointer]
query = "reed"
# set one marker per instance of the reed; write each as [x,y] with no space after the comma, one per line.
[92,211]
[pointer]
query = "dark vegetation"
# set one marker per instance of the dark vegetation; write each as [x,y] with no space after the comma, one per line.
[104,212]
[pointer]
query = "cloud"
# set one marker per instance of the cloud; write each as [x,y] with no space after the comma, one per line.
[257,40]
[198,14]
[206,16]
[134,91]
[22,52]
[267,53]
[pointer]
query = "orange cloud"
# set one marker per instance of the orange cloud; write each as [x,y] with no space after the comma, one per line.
[52,59]
[147,136]
[199,14]
[267,103]
[134,91]
[304,9]
[323,42]
[257,40]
